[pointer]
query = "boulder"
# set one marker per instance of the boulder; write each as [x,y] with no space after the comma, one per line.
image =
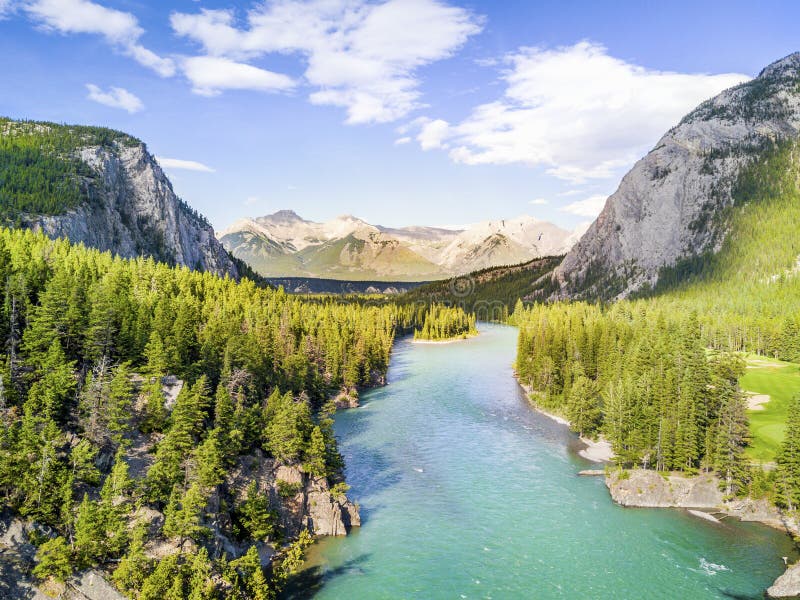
[787,585]
[90,585]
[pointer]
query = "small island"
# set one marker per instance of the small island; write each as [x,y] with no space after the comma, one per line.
[443,324]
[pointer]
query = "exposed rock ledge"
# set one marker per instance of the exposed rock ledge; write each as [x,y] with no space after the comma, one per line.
[644,488]
[787,585]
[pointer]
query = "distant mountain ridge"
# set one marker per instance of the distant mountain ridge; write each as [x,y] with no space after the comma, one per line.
[284,244]
[104,189]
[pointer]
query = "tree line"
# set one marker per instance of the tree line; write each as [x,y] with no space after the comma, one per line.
[90,340]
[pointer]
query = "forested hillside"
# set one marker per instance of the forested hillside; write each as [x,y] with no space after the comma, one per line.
[102,188]
[159,422]
[488,293]
[658,375]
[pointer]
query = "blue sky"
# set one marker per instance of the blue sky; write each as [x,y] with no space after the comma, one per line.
[401,112]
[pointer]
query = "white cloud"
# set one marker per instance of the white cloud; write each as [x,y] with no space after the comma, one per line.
[359,55]
[433,133]
[590,207]
[578,112]
[185,165]
[115,97]
[538,201]
[402,140]
[211,75]
[120,29]
[252,200]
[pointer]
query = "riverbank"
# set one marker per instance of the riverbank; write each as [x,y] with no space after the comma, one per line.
[447,341]
[702,497]
[443,452]
[598,451]
[699,495]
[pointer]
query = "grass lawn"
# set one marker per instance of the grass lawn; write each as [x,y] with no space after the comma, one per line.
[781,381]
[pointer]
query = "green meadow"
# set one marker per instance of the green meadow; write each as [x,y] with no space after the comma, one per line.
[780,381]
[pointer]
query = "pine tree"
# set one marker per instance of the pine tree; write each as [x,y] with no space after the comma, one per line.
[314,463]
[288,428]
[155,415]
[134,567]
[50,394]
[788,460]
[254,517]
[201,587]
[209,460]
[89,534]
[184,513]
[119,402]
[583,410]
[732,436]
[53,559]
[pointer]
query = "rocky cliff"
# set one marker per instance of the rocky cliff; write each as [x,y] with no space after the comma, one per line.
[669,206]
[124,202]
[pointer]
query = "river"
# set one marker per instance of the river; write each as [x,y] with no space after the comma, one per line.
[466,492]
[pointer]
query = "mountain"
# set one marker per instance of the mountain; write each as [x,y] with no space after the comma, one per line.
[675,204]
[104,189]
[285,245]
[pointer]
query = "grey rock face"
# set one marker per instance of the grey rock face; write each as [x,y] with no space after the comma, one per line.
[133,211]
[91,585]
[650,489]
[787,585]
[664,207]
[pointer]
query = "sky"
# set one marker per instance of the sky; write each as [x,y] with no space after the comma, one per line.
[401,112]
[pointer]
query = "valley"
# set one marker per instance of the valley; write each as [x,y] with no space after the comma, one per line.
[290,408]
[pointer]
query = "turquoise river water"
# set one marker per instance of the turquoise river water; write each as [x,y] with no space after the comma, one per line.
[466,492]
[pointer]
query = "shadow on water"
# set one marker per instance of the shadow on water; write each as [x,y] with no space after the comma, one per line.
[735,596]
[374,473]
[310,581]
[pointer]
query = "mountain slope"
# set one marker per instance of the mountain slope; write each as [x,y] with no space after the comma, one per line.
[283,244]
[668,208]
[104,189]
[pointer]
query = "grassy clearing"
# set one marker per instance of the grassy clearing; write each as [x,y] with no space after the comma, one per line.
[781,381]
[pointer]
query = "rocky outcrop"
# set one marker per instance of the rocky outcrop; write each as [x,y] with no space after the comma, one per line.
[346,398]
[17,558]
[665,209]
[90,585]
[302,502]
[787,585]
[132,210]
[645,488]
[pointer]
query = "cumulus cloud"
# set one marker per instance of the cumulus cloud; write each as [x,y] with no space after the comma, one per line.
[578,112]
[360,55]
[120,29]
[184,165]
[402,140]
[211,75]
[115,97]
[590,207]
[433,133]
